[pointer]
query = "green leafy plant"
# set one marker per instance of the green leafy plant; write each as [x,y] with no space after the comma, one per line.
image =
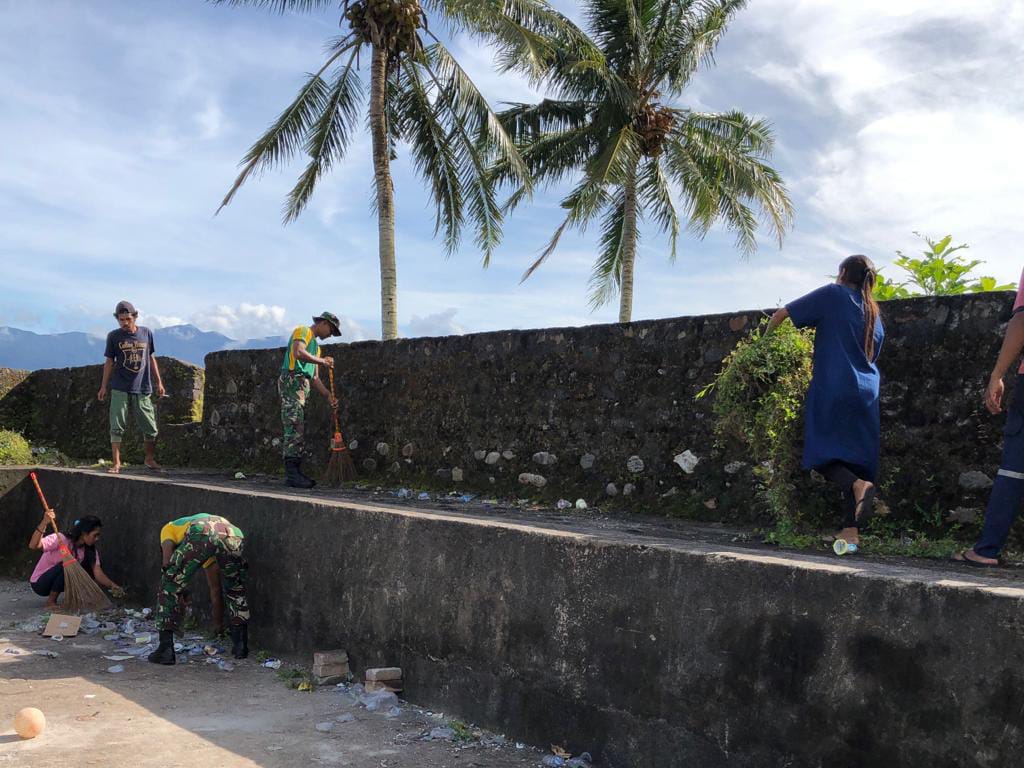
[940,272]
[14,449]
[757,402]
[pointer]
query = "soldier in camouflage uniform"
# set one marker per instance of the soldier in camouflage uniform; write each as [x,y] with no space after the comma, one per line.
[207,537]
[299,371]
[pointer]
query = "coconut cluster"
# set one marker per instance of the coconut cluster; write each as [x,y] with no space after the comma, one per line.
[389,24]
[653,123]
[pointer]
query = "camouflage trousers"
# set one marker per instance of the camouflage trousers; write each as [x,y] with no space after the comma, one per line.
[294,389]
[213,537]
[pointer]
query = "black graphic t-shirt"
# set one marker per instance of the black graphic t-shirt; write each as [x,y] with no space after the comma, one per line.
[131,354]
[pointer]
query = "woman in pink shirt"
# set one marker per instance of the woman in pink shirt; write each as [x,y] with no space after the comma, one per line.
[48,577]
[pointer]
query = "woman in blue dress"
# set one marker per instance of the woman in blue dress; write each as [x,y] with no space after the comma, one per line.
[841,415]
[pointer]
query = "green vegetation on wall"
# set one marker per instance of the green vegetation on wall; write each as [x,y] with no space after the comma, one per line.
[14,449]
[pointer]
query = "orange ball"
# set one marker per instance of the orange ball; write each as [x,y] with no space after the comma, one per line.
[29,722]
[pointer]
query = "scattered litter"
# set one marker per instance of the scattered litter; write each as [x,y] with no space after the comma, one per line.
[467,497]
[441,733]
[563,504]
[520,745]
[47,654]
[403,493]
[119,657]
[394,712]
[272,663]
[348,717]
[57,638]
[583,760]
[147,611]
[115,669]
[225,666]
[305,686]
[239,476]
[553,761]
[13,651]
[141,638]
[378,700]
[128,627]
[325,727]
[424,496]
[211,650]
[90,696]
[111,638]
[581,504]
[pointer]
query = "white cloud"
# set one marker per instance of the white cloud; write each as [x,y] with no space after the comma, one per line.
[439,324]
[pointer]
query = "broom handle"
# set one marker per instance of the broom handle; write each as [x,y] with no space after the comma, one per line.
[42,498]
[330,375]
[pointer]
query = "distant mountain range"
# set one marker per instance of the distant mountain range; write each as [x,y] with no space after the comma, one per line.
[31,351]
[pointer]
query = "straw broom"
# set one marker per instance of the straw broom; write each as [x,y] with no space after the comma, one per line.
[81,592]
[340,468]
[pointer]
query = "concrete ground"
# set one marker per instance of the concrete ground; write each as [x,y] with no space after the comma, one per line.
[195,714]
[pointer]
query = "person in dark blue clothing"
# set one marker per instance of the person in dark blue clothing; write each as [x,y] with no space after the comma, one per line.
[841,414]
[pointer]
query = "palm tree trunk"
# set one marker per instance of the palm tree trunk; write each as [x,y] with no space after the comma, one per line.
[385,196]
[628,252]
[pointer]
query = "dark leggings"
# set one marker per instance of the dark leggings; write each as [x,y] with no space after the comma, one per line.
[51,581]
[844,475]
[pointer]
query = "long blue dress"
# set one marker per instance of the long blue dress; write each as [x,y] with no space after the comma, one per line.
[841,415]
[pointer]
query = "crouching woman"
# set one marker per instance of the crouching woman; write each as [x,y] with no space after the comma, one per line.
[47,579]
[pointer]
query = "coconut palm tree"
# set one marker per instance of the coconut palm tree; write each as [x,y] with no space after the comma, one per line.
[616,119]
[420,99]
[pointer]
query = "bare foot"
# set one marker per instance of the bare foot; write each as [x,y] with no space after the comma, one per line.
[974,557]
[115,470]
[849,535]
[152,464]
[864,495]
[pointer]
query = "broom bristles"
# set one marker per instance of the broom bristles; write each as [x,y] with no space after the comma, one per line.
[81,592]
[340,468]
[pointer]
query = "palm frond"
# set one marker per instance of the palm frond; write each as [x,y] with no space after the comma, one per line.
[329,137]
[653,189]
[606,276]
[611,169]
[432,153]
[694,36]
[718,163]
[287,135]
[282,6]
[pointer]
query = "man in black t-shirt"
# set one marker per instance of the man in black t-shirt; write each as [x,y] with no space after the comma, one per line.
[129,375]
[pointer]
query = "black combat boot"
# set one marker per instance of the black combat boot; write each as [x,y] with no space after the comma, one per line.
[240,640]
[298,470]
[164,654]
[293,476]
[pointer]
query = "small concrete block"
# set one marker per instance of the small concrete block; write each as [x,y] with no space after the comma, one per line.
[330,670]
[384,673]
[321,658]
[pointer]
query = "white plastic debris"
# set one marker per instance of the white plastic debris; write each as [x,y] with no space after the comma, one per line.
[239,476]
[379,701]
[563,504]
[58,638]
[441,733]
[117,668]
[581,504]
[272,663]
[119,657]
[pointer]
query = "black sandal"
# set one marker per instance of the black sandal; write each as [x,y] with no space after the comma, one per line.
[865,508]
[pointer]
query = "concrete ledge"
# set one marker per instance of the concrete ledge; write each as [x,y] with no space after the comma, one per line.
[645,650]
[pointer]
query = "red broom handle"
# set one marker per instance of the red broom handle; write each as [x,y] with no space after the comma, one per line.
[42,498]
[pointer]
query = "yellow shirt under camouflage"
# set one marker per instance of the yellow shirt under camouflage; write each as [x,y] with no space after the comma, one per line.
[291,363]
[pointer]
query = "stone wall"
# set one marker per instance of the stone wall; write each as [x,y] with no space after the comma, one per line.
[644,650]
[607,412]
[57,407]
[604,412]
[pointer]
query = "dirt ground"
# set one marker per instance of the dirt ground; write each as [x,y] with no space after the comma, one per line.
[195,714]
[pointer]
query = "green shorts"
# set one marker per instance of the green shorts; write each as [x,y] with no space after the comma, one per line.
[142,410]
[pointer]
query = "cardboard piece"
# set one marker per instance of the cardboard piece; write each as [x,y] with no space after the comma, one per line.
[62,624]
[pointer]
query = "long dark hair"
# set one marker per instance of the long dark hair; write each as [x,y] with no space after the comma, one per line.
[84,524]
[859,271]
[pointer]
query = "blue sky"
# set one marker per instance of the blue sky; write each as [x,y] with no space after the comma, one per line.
[122,123]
